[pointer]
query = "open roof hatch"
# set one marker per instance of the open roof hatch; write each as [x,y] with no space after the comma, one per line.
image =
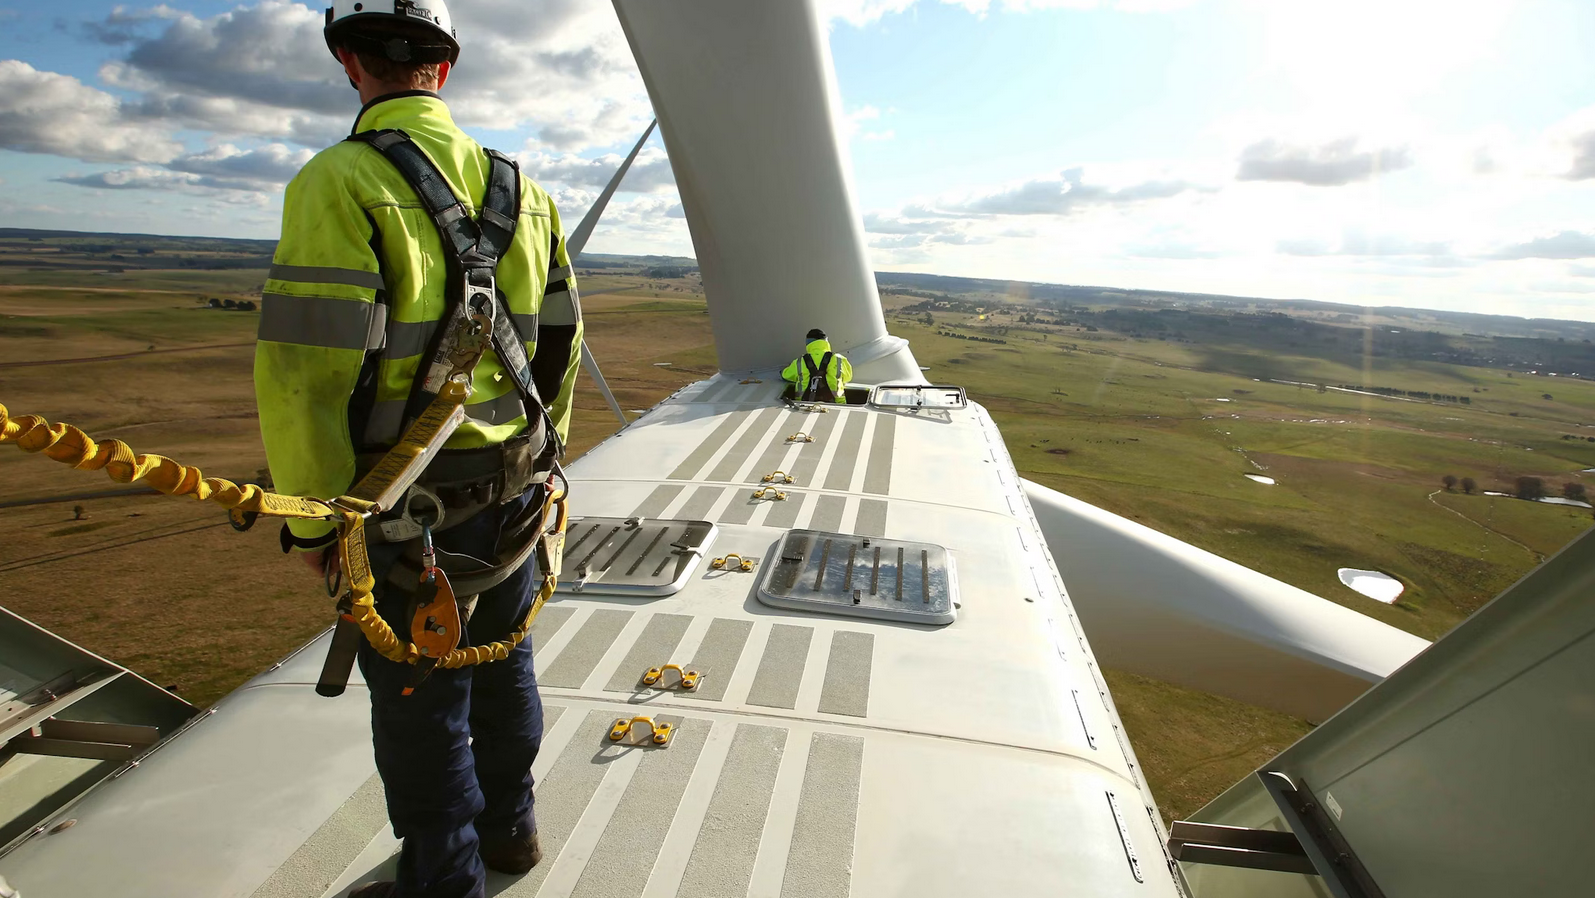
[865,577]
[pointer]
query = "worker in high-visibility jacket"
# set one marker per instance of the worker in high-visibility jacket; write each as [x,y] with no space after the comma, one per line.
[355,295]
[819,375]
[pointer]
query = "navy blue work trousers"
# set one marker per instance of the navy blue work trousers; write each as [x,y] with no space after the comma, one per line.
[456,754]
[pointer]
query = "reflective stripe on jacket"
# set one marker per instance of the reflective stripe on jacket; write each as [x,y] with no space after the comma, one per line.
[839,373]
[360,268]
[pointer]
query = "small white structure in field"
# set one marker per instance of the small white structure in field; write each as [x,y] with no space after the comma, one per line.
[1377,585]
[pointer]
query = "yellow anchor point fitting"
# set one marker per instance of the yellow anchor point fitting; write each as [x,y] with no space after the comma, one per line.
[800,437]
[659,733]
[743,564]
[778,477]
[769,493]
[687,679]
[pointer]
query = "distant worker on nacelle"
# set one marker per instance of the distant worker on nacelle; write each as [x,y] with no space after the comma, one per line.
[819,375]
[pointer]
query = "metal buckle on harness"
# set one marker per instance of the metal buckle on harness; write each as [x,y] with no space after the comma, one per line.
[475,332]
[409,524]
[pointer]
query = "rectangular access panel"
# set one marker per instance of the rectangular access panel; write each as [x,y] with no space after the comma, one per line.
[863,577]
[919,397]
[640,557]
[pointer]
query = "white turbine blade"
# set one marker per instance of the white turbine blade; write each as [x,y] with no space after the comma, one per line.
[1162,608]
[591,364]
[577,240]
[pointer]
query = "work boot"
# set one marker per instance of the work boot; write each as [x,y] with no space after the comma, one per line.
[516,853]
[376,889]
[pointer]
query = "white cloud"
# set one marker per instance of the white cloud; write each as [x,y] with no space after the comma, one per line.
[133,178]
[123,25]
[1565,245]
[269,167]
[1583,153]
[49,113]
[1336,163]
[559,68]
[158,179]
[1065,195]
[650,172]
[1357,242]
[859,13]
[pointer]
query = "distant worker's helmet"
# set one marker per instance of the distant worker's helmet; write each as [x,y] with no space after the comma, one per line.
[816,333]
[404,31]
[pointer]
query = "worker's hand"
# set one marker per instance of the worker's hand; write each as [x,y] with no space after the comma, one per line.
[323,562]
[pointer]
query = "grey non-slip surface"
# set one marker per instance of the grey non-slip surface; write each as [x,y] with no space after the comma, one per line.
[775,450]
[717,656]
[785,514]
[703,452]
[624,857]
[549,620]
[878,473]
[737,456]
[699,504]
[564,794]
[871,521]
[781,668]
[652,648]
[655,503]
[828,513]
[852,438]
[312,869]
[577,661]
[824,431]
[820,861]
[728,841]
[743,505]
[847,674]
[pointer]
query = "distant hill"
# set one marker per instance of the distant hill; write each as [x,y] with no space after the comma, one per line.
[137,250]
[1055,295]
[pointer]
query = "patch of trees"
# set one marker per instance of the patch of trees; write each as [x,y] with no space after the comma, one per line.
[1450,482]
[1529,487]
[973,339]
[1577,437]
[669,273]
[1411,394]
[1574,491]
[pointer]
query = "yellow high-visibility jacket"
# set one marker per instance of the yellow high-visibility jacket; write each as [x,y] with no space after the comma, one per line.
[836,376]
[361,271]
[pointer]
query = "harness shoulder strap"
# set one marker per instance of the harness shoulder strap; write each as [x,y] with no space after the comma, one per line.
[825,364]
[459,232]
[474,248]
[501,206]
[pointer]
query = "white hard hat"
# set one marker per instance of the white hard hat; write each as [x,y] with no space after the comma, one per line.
[358,25]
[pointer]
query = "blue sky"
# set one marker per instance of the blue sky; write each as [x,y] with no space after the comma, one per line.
[1383,153]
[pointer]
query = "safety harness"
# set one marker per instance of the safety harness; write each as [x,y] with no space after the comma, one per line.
[476,320]
[818,388]
[462,483]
